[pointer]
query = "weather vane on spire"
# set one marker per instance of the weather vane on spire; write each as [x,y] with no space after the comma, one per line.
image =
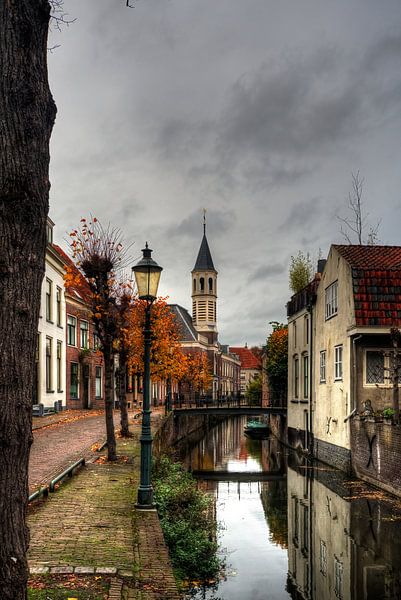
[204,221]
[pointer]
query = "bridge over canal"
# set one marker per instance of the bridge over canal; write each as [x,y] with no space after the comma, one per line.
[235,409]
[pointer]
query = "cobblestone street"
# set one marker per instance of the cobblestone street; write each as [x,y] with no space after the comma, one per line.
[57,446]
[89,526]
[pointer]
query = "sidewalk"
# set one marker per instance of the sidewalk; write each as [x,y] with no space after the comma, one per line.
[60,417]
[90,528]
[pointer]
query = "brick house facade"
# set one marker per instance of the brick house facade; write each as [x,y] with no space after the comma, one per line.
[84,363]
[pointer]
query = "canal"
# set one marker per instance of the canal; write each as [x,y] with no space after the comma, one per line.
[287,529]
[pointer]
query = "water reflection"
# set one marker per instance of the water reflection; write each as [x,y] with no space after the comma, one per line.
[295,531]
[344,537]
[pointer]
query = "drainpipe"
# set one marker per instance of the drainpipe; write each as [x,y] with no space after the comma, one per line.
[353,401]
[309,309]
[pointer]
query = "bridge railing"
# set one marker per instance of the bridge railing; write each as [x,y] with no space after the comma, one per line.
[207,401]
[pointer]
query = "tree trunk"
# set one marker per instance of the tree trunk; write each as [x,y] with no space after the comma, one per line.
[27,113]
[109,401]
[122,395]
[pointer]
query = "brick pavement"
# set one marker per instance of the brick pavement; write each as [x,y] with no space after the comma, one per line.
[90,523]
[59,444]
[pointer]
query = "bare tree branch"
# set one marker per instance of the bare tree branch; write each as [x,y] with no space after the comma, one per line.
[58,16]
[356,223]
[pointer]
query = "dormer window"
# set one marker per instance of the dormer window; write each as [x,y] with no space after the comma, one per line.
[49,233]
[331,300]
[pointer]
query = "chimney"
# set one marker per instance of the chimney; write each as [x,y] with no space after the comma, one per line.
[321,263]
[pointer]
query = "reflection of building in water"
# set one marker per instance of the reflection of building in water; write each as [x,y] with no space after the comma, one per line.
[343,542]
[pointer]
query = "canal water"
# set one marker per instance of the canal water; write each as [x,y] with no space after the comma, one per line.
[287,529]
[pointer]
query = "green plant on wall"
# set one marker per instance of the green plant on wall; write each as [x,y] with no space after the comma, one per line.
[388,413]
[186,518]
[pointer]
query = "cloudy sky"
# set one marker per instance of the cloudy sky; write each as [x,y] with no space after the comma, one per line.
[257,110]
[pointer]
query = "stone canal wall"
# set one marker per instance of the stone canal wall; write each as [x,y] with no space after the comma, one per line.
[376,453]
[180,433]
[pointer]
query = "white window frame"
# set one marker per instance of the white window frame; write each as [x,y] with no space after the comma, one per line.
[58,305]
[84,327]
[77,383]
[49,300]
[296,375]
[323,558]
[331,300]
[98,382]
[59,365]
[338,578]
[338,362]
[323,366]
[306,330]
[49,364]
[75,330]
[386,361]
[305,377]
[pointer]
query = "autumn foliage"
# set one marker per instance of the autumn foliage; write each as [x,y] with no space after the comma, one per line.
[166,357]
[277,360]
[198,374]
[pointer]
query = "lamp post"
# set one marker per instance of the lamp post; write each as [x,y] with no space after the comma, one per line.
[147,276]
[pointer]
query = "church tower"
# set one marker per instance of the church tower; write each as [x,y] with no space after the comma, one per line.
[204,291]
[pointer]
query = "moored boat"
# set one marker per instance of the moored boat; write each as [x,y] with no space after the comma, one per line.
[256,429]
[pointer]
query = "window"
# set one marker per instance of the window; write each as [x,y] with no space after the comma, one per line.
[374,366]
[323,366]
[210,284]
[332,300]
[194,285]
[296,377]
[74,380]
[49,233]
[84,330]
[306,375]
[294,334]
[306,330]
[96,341]
[49,364]
[98,382]
[295,509]
[202,284]
[305,532]
[338,578]
[71,330]
[59,365]
[48,300]
[323,558]
[338,362]
[58,305]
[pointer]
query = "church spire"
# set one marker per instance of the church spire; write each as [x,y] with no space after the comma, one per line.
[204,261]
[204,291]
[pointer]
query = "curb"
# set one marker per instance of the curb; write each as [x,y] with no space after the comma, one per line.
[69,570]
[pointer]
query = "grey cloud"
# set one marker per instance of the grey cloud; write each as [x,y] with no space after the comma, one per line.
[303,213]
[218,221]
[265,271]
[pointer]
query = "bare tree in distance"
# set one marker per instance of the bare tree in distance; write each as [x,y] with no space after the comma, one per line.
[356,223]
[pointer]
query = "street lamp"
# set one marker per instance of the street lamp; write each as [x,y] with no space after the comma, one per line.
[147,276]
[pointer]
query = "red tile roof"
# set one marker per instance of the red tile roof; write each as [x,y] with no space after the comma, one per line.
[247,358]
[371,257]
[376,280]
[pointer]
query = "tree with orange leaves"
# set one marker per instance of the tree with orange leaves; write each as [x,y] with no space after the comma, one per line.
[198,374]
[277,361]
[98,254]
[166,358]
